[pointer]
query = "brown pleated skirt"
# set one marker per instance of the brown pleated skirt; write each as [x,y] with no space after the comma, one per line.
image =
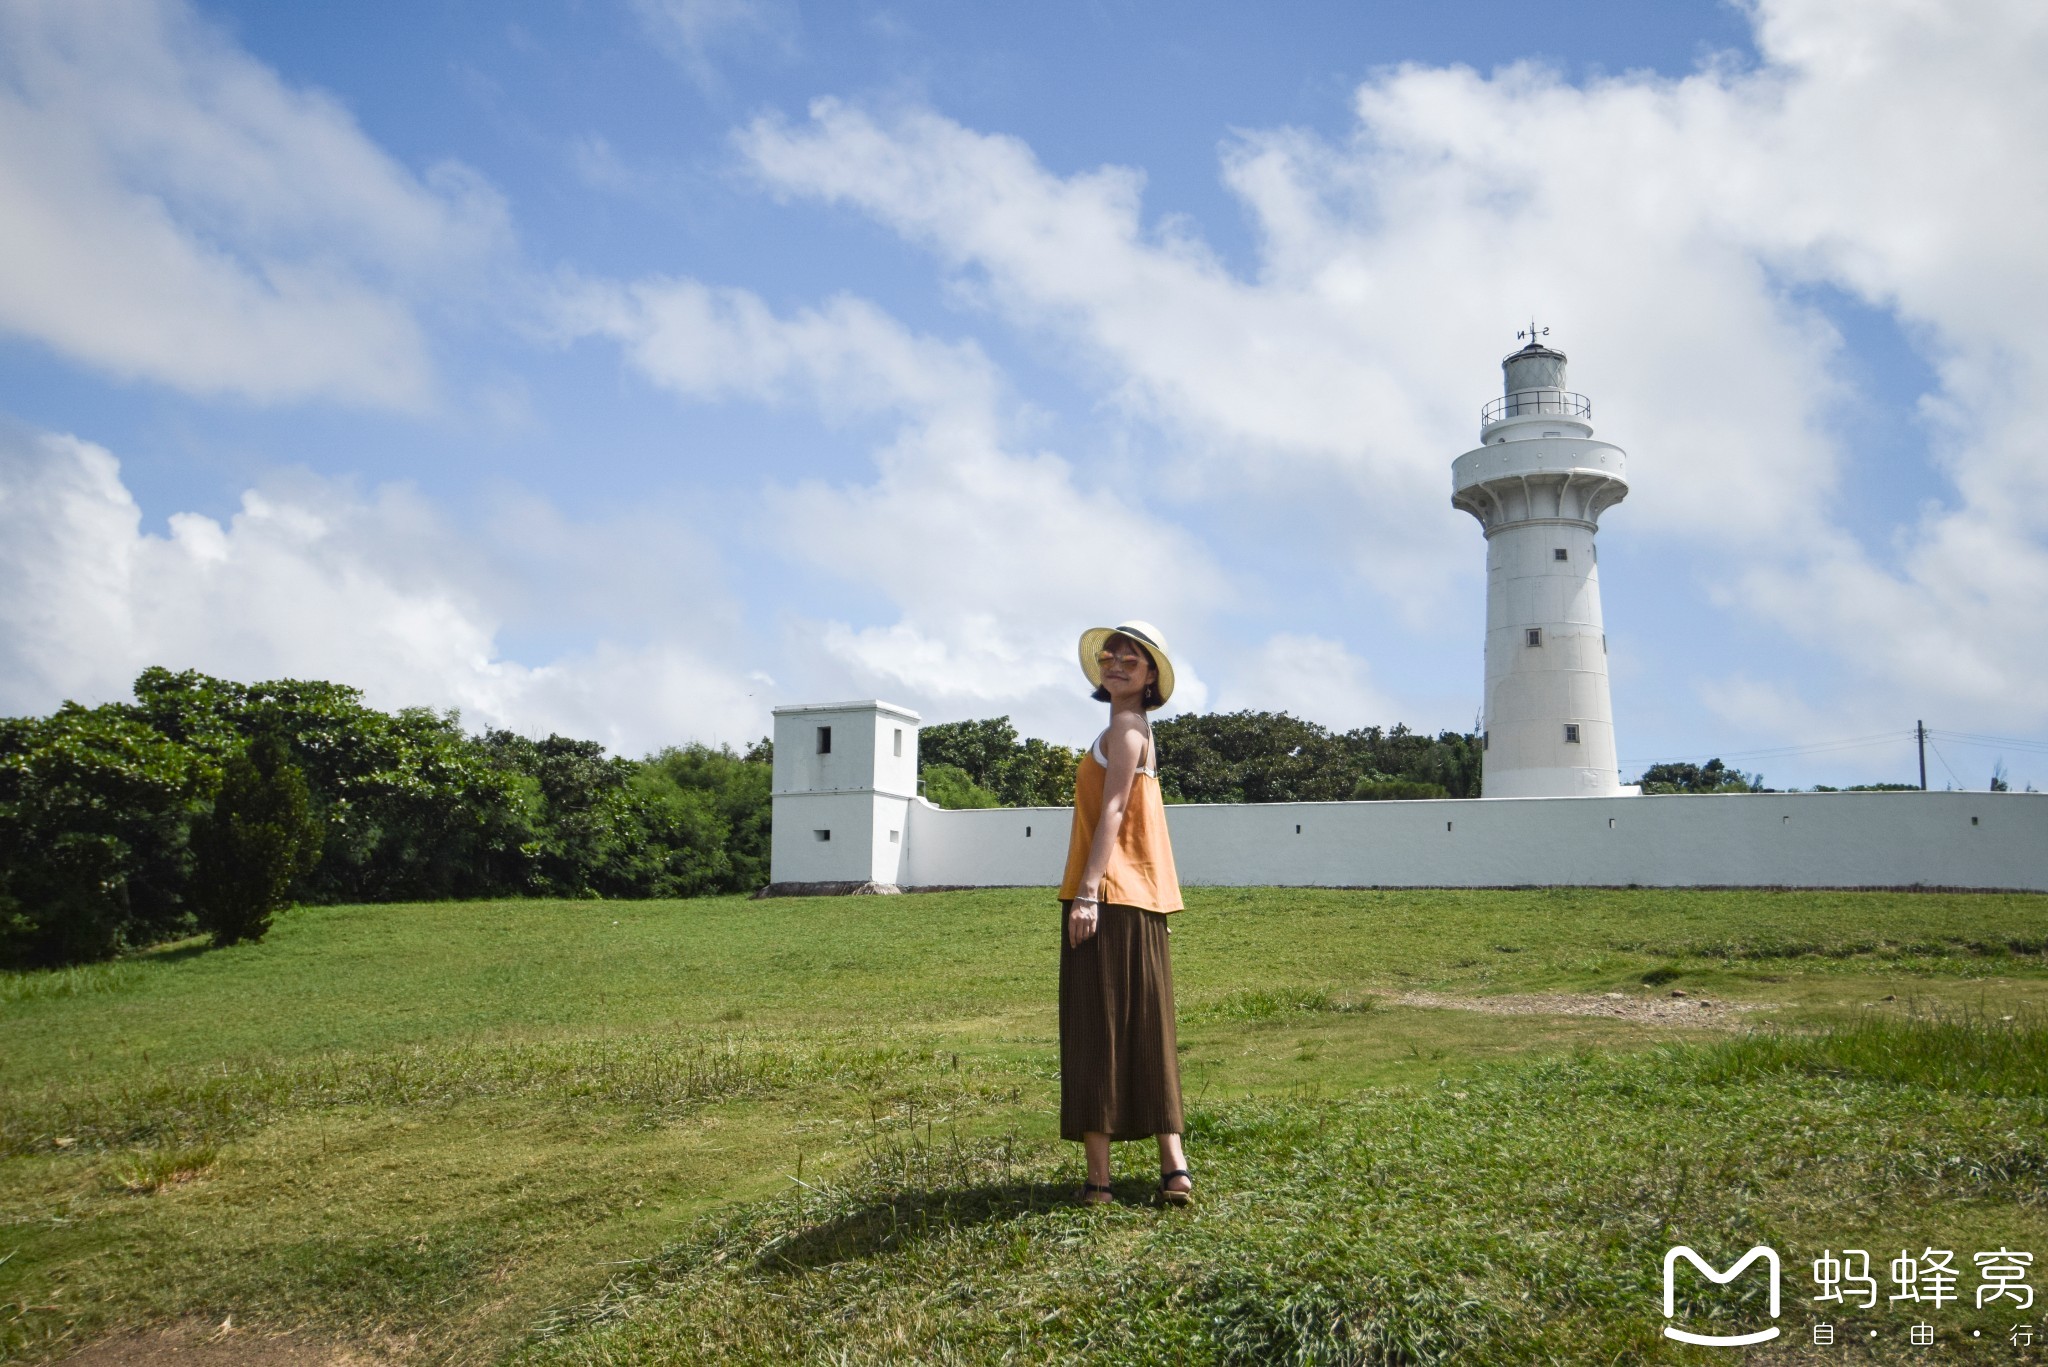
[1119,1069]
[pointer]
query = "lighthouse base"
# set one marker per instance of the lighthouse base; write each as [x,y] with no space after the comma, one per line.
[1555,782]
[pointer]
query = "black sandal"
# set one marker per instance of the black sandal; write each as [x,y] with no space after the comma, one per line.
[1089,1188]
[1169,1195]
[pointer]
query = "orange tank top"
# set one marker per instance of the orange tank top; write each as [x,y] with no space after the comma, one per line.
[1140,871]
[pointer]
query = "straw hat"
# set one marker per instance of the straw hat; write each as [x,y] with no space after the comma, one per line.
[1146,635]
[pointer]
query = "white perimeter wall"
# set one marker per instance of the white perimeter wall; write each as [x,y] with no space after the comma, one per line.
[1968,840]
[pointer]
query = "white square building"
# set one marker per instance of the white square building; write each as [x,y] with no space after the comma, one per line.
[845,777]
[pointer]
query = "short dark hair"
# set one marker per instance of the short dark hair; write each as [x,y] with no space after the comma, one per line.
[1152,701]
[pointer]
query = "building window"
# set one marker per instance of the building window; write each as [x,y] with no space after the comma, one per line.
[899,742]
[1571,733]
[1560,554]
[1485,739]
[895,837]
[822,835]
[1535,636]
[1027,832]
[824,740]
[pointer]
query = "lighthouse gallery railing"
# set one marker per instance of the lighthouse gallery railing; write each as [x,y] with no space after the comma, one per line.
[1529,403]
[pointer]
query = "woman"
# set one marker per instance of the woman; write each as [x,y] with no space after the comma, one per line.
[1119,1073]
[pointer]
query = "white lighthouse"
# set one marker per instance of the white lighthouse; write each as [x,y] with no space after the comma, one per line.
[1538,483]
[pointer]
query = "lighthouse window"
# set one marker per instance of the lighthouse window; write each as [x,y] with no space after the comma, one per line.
[1571,733]
[824,740]
[1535,636]
[1485,740]
[1560,554]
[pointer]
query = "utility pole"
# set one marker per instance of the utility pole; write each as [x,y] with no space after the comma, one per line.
[1920,735]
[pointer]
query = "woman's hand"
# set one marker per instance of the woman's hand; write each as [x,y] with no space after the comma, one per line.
[1081,916]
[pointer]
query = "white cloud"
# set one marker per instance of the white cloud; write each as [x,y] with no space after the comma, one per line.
[310,580]
[172,211]
[848,357]
[598,164]
[991,559]
[1314,678]
[1891,150]
[689,30]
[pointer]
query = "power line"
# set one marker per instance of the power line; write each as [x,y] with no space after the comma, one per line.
[1991,742]
[1818,747]
[1945,764]
[1963,738]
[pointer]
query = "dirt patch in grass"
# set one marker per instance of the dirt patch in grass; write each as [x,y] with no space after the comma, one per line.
[1687,1010]
[195,1343]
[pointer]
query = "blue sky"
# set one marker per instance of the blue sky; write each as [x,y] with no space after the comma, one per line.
[629,367]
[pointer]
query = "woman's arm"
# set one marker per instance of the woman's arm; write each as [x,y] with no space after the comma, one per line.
[1123,747]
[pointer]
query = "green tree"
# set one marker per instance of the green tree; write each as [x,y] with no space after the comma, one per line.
[95,810]
[97,807]
[1040,774]
[982,750]
[1397,790]
[1274,757]
[681,847]
[1450,759]
[258,838]
[1212,757]
[1019,773]
[734,791]
[1711,777]
[412,807]
[1252,757]
[950,786]
[584,828]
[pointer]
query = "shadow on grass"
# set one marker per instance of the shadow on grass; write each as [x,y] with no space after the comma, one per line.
[898,1222]
[176,951]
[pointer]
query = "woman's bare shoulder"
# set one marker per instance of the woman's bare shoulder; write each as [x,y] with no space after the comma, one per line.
[1127,733]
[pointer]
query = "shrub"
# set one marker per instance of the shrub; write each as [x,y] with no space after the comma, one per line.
[260,835]
[735,790]
[1397,790]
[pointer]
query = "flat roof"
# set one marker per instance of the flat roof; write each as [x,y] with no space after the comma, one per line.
[859,705]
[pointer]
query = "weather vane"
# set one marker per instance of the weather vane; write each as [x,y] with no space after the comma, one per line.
[1532,334]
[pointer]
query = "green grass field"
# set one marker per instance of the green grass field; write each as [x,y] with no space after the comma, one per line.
[824,1130]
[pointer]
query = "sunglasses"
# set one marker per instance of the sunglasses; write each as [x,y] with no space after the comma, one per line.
[1129,657]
